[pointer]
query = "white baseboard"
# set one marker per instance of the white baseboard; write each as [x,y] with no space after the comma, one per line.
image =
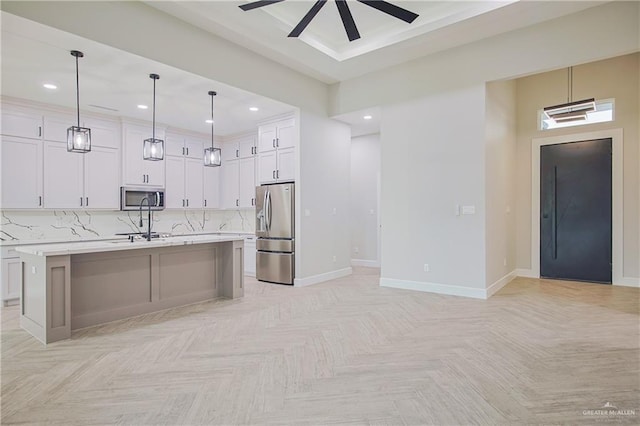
[526,273]
[628,282]
[315,279]
[366,263]
[452,290]
[495,287]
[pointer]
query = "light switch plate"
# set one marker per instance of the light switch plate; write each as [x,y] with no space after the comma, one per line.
[468,209]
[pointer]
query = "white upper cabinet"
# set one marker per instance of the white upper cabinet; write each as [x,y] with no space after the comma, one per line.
[102,178]
[63,177]
[21,173]
[277,151]
[242,146]
[138,171]
[21,122]
[178,145]
[194,148]
[55,127]
[211,187]
[193,179]
[174,189]
[104,133]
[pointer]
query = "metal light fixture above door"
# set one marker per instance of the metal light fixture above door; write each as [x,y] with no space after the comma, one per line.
[570,111]
[153,149]
[212,155]
[78,138]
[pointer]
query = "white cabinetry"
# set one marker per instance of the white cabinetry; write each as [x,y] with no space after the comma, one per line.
[138,171]
[11,277]
[250,256]
[239,173]
[276,151]
[21,173]
[21,122]
[211,187]
[184,171]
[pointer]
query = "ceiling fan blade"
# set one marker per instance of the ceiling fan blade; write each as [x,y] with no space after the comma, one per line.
[257,4]
[307,18]
[347,20]
[391,9]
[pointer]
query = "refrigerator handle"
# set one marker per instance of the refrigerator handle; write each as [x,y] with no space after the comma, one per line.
[268,210]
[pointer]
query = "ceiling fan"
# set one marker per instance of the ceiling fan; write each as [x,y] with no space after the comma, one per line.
[345,14]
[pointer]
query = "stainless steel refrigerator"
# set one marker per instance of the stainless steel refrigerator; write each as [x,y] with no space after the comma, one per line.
[275,233]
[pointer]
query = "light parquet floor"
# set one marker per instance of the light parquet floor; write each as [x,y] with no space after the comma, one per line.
[342,352]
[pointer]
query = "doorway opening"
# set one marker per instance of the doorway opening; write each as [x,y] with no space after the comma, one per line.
[576,211]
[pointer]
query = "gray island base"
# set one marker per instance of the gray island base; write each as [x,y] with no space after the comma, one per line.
[77,285]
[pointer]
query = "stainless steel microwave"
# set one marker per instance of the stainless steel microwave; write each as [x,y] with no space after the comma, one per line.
[132,198]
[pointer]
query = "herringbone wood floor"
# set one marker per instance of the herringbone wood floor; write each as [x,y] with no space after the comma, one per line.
[342,352]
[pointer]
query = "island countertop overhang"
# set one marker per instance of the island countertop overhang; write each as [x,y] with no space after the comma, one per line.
[121,244]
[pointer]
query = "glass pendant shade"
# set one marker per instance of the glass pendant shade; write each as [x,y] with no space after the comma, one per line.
[153,149]
[212,157]
[78,139]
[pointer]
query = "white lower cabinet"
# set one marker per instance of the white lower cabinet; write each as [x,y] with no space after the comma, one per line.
[11,275]
[250,256]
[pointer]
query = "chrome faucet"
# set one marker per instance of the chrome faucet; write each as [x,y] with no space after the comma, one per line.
[148,217]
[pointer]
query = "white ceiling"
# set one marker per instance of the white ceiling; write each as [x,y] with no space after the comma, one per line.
[33,54]
[323,50]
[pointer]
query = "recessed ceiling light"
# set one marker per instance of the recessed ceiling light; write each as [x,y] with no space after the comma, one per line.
[254,109]
[367,117]
[49,86]
[208,121]
[143,107]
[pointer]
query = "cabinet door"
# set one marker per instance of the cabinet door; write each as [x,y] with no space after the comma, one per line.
[174,145]
[211,187]
[286,134]
[286,164]
[174,189]
[267,167]
[21,124]
[103,133]
[230,184]
[102,178]
[267,138]
[11,278]
[21,173]
[134,172]
[63,177]
[247,181]
[246,147]
[55,127]
[194,148]
[229,151]
[250,256]
[193,175]
[155,172]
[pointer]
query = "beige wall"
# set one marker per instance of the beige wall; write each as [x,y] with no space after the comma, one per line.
[500,188]
[617,78]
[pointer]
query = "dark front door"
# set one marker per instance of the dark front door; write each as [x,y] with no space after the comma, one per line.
[575,211]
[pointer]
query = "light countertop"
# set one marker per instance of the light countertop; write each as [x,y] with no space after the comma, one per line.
[14,243]
[123,244]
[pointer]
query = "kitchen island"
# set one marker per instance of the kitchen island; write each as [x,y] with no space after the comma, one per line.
[70,286]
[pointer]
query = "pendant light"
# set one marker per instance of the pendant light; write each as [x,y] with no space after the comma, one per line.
[153,149]
[212,156]
[570,111]
[78,138]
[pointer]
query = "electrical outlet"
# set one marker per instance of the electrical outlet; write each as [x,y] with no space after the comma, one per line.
[334,259]
[426,267]
[356,250]
[504,262]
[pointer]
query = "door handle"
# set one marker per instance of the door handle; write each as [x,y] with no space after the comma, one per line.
[183,150]
[237,202]
[187,150]
[554,214]
[274,143]
[86,202]
[277,174]
[40,200]
[268,210]
[183,202]
[205,203]
[237,153]
[187,202]
[273,174]
[277,142]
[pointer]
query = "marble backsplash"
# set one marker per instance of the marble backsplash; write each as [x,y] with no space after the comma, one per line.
[83,224]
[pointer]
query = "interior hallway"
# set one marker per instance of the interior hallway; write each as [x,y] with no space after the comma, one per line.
[345,351]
